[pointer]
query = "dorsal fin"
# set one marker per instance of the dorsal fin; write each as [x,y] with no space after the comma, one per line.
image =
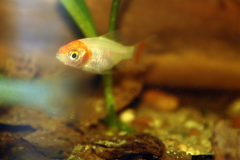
[117,37]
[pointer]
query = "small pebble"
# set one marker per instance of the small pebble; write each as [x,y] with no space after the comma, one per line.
[127,116]
[160,100]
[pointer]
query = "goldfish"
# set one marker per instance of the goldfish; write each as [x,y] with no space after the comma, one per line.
[97,55]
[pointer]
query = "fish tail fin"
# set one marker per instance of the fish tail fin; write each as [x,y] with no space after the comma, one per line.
[134,58]
[138,51]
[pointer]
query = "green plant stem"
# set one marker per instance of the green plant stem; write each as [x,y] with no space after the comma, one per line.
[111,117]
[80,14]
[114,15]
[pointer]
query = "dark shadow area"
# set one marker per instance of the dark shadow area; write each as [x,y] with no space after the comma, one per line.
[68,20]
[17,128]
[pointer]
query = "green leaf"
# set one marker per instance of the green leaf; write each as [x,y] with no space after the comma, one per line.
[80,14]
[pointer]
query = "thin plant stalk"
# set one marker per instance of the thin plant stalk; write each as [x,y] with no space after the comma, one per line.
[113,15]
[111,117]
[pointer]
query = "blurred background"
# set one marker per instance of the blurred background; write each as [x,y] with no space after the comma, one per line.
[192,45]
[192,59]
[195,44]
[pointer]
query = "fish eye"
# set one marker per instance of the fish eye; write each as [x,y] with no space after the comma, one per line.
[73,55]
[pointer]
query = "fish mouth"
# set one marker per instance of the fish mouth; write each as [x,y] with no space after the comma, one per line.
[60,58]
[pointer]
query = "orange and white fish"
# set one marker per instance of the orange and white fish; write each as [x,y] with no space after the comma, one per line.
[98,54]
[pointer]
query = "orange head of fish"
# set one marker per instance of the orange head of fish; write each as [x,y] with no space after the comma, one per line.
[74,54]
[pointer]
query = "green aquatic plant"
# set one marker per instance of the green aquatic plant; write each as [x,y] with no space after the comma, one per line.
[80,14]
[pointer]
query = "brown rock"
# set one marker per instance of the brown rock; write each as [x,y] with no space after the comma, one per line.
[141,123]
[21,66]
[34,118]
[125,91]
[14,147]
[55,144]
[226,142]
[133,145]
[50,136]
